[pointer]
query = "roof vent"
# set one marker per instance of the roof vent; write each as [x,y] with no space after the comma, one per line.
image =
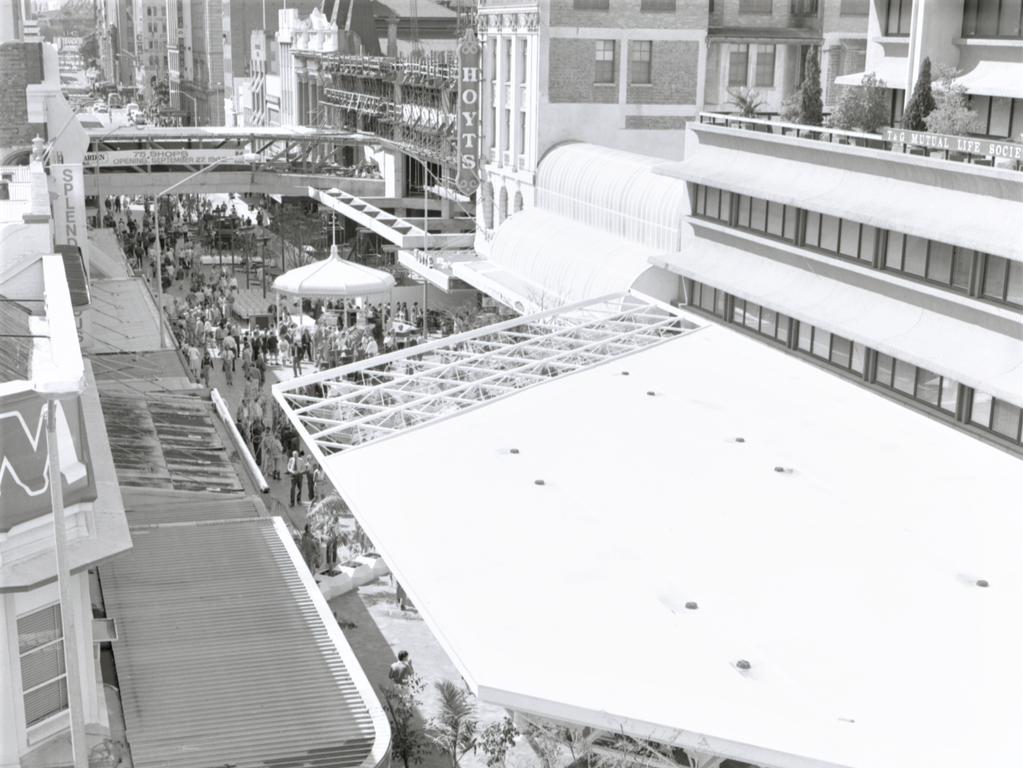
[539,482]
[692,605]
[740,439]
[743,664]
[513,450]
[983,583]
[651,393]
[784,470]
[625,373]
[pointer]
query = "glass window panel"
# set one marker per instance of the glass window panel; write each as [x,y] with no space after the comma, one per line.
[712,201]
[868,242]
[1001,109]
[994,277]
[39,628]
[821,343]
[45,701]
[987,18]
[849,241]
[605,61]
[962,267]
[719,303]
[949,394]
[744,210]
[859,356]
[939,263]
[753,316]
[775,218]
[829,234]
[915,262]
[738,65]
[970,17]
[726,206]
[42,664]
[738,311]
[841,351]
[805,336]
[783,329]
[640,54]
[905,377]
[893,252]
[813,228]
[768,322]
[765,66]
[1014,290]
[928,386]
[1005,419]
[791,216]
[981,412]
[883,373]
[758,215]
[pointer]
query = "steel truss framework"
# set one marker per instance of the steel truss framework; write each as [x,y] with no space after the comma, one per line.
[374,399]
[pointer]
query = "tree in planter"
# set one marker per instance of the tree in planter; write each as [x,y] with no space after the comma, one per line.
[409,743]
[811,103]
[952,115]
[326,522]
[746,101]
[495,740]
[863,107]
[921,103]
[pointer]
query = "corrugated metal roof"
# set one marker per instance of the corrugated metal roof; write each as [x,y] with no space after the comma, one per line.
[227,654]
[74,270]
[157,506]
[15,342]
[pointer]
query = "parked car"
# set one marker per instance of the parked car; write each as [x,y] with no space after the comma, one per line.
[100,107]
[130,109]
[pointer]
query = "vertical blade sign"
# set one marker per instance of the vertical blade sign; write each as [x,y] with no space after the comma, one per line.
[468,176]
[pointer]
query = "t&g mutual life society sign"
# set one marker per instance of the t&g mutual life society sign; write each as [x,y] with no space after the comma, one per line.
[971,145]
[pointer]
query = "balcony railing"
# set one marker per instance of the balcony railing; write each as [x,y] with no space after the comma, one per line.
[847,138]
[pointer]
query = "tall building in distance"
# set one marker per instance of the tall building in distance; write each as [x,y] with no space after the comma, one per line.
[150,43]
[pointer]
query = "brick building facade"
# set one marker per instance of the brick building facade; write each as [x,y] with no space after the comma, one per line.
[21,64]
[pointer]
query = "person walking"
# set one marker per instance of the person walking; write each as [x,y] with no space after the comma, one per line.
[310,549]
[314,478]
[296,359]
[294,471]
[276,452]
[401,670]
[193,361]
[207,368]
[306,465]
[227,359]
[261,369]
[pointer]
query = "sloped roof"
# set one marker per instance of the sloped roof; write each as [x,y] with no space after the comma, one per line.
[228,654]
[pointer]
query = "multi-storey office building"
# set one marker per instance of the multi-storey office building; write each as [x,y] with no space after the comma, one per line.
[979,38]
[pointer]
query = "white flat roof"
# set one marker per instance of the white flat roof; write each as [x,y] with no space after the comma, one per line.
[848,580]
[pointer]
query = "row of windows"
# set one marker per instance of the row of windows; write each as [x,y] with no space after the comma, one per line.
[993,18]
[41,655]
[645,6]
[940,393]
[739,74]
[998,117]
[959,269]
[641,54]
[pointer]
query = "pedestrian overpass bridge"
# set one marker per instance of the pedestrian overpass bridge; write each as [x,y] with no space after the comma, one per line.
[146,160]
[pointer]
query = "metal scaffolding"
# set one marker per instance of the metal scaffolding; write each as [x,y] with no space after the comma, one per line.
[367,401]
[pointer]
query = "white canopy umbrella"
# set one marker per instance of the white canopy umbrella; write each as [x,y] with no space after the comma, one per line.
[333,278]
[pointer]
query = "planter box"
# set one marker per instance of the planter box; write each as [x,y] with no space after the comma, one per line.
[336,582]
[375,563]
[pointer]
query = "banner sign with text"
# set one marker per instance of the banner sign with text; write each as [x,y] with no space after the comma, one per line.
[145,157]
[971,145]
[67,201]
[468,175]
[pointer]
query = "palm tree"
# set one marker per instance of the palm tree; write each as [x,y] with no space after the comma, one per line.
[746,101]
[326,522]
[454,727]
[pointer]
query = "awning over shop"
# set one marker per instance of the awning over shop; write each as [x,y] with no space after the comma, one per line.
[892,71]
[780,34]
[543,259]
[333,277]
[990,361]
[934,211]
[227,653]
[995,78]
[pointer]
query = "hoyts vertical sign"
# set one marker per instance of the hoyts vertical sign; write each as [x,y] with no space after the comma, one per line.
[468,176]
